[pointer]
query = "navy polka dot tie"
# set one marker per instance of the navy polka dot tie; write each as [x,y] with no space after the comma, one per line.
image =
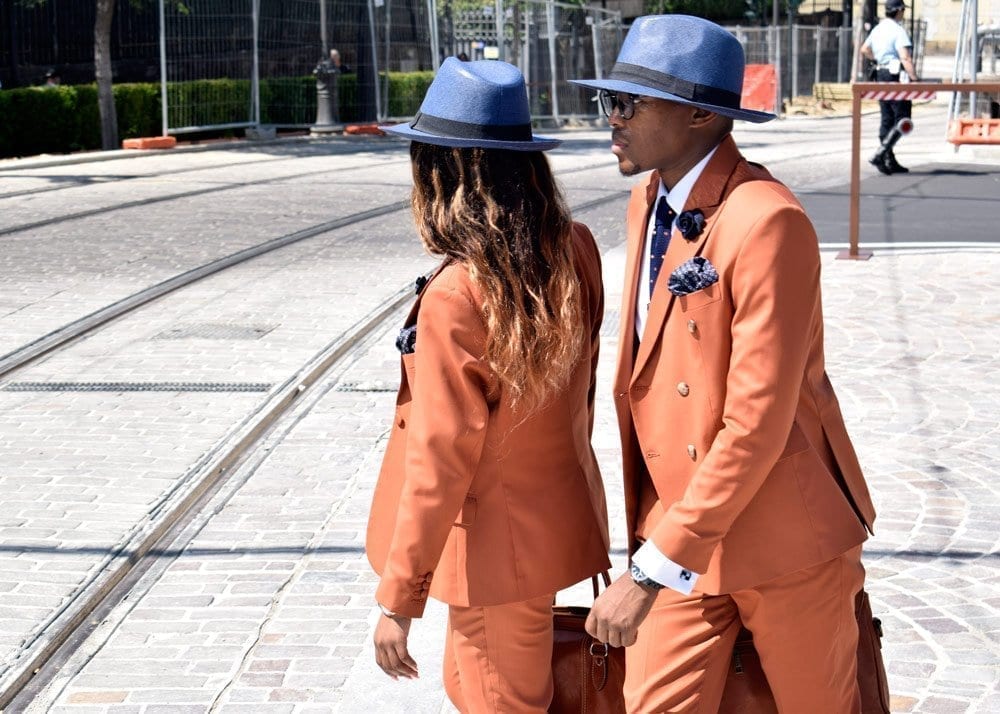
[661,239]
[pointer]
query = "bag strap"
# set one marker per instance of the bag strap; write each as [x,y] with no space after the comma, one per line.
[607,582]
[593,581]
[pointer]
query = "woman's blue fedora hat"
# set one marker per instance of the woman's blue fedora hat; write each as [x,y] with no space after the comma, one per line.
[684,59]
[480,104]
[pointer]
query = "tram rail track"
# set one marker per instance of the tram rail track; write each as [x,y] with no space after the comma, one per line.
[191,493]
[116,178]
[112,178]
[140,202]
[179,195]
[22,356]
[68,626]
[28,353]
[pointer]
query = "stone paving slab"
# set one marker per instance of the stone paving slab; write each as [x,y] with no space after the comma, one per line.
[912,341]
[108,460]
[52,275]
[933,565]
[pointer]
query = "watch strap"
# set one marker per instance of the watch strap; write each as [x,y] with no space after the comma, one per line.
[640,577]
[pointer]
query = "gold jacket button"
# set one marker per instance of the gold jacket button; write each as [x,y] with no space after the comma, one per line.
[692,452]
[692,326]
[683,389]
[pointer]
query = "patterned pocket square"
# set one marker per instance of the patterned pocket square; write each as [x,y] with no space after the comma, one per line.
[406,341]
[692,275]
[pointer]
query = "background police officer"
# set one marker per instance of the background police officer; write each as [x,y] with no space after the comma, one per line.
[889,46]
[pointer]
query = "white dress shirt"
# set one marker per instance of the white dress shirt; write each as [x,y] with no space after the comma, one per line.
[648,557]
[676,199]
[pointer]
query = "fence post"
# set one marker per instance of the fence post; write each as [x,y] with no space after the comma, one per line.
[498,18]
[432,26]
[596,41]
[818,44]
[550,17]
[255,80]
[794,58]
[775,44]
[163,68]
[529,24]
[371,32]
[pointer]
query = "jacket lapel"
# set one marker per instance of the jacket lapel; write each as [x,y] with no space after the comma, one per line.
[411,317]
[707,196]
[636,222]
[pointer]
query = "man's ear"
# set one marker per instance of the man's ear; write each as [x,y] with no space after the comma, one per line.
[701,118]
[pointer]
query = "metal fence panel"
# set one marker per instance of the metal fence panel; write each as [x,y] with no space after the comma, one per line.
[550,42]
[288,51]
[210,54]
[222,55]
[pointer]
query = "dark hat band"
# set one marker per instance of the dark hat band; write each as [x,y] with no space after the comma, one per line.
[464,130]
[701,93]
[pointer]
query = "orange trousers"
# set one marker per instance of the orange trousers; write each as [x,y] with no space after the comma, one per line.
[803,626]
[498,659]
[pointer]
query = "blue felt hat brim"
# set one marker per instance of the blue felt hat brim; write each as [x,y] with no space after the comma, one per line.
[537,143]
[618,85]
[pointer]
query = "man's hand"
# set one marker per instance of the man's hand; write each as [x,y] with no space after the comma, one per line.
[618,612]
[390,647]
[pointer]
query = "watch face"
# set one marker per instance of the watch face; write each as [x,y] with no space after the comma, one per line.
[642,579]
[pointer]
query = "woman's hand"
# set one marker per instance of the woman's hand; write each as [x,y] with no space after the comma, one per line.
[390,647]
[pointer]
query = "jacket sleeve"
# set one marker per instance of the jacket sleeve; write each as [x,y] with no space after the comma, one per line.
[447,431]
[775,292]
[591,273]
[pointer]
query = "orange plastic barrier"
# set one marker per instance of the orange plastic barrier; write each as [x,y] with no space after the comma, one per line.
[363,129]
[150,142]
[974,131]
[760,84]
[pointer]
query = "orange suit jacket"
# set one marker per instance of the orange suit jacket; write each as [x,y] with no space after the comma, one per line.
[476,505]
[726,400]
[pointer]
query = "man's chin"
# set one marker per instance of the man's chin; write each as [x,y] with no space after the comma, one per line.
[627,168]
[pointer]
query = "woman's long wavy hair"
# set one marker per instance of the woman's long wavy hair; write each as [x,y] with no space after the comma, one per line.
[500,213]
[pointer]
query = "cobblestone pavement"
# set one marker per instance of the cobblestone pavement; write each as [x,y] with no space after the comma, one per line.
[268,608]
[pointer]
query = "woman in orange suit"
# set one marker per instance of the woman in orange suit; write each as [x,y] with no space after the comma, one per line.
[489,498]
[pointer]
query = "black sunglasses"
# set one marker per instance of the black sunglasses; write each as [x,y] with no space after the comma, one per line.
[622,101]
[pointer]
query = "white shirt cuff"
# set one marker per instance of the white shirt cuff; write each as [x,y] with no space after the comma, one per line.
[663,570]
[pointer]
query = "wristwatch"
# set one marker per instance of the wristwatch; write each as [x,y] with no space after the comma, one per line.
[640,577]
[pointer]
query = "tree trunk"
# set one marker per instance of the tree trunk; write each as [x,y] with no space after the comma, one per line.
[102,70]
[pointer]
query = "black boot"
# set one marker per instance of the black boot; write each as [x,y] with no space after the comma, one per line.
[894,166]
[880,162]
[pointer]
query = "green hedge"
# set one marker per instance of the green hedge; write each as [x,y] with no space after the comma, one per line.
[39,120]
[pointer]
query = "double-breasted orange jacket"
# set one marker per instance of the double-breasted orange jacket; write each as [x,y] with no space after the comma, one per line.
[726,401]
[475,504]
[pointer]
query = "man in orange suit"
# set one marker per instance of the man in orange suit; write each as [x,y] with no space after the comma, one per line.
[745,501]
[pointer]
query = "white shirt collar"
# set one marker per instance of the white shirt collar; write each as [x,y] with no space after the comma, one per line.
[678,195]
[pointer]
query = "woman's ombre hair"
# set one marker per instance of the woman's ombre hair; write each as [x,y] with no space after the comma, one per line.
[500,213]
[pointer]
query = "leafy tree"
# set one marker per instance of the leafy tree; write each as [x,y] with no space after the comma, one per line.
[102,72]
[102,63]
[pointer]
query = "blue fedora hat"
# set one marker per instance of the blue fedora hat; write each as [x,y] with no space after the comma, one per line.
[684,59]
[480,104]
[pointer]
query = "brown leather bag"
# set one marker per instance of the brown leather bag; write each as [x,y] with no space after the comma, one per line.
[588,675]
[747,691]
